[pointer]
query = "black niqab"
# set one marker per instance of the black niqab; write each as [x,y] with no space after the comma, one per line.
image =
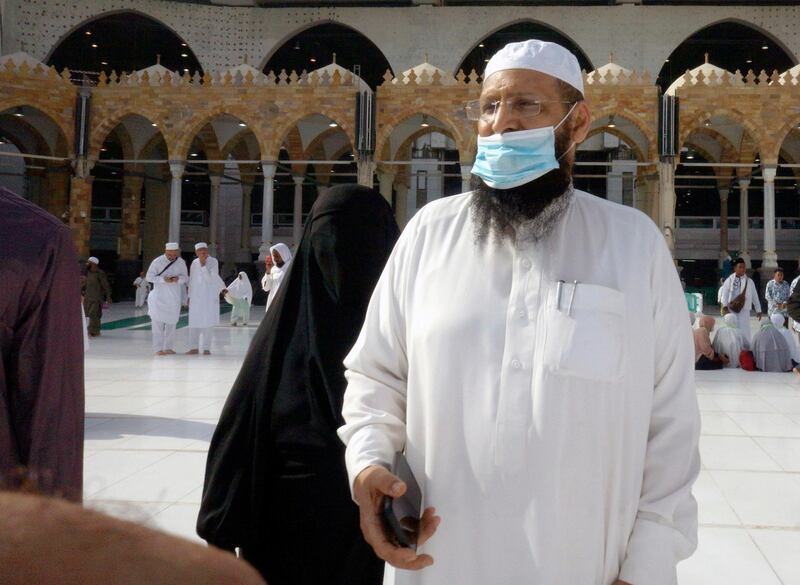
[275,483]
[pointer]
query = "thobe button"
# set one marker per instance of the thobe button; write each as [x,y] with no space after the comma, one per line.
[526,263]
[521,314]
[516,364]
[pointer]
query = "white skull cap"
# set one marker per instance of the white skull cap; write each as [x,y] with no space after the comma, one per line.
[549,58]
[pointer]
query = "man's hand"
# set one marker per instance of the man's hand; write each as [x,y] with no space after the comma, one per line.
[269,263]
[759,315]
[370,487]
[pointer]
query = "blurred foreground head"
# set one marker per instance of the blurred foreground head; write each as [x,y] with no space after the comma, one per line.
[45,541]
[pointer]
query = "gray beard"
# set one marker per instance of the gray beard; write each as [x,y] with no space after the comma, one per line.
[538,228]
[527,214]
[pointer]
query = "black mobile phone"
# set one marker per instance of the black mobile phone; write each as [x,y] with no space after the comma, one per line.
[402,515]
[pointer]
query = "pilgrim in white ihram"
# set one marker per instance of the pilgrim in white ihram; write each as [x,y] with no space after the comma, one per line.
[168,275]
[205,285]
[733,286]
[273,278]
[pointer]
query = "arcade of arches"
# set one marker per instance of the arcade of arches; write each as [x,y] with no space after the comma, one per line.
[208,157]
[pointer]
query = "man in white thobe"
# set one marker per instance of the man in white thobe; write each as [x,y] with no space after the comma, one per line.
[168,275]
[735,284]
[204,288]
[142,288]
[278,262]
[527,346]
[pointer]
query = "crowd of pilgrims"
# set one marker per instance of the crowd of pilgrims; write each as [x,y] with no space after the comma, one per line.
[775,347]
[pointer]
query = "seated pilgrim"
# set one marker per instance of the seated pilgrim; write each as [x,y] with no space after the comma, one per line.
[770,349]
[794,348]
[729,340]
[705,358]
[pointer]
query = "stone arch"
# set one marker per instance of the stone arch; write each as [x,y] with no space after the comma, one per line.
[635,148]
[730,153]
[105,126]
[282,131]
[186,131]
[418,134]
[689,126]
[64,129]
[108,13]
[647,131]
[387,127]
[234,143]
[782,133]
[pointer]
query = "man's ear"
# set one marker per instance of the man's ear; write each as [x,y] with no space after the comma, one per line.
[583,122]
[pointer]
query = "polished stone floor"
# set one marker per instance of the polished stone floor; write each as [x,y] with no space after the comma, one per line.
[150,420]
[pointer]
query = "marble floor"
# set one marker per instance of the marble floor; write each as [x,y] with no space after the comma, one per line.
[149,422]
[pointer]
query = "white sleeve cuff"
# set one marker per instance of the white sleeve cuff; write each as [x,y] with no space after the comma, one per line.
[651,557]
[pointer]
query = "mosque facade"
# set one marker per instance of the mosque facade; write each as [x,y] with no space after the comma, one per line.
[116,154]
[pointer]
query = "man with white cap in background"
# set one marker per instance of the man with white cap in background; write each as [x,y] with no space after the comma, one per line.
[204,288]
[547,409]
[278,262]
[96,292]
[168,275]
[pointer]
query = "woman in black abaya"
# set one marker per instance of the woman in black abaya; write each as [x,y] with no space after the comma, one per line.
[276,485]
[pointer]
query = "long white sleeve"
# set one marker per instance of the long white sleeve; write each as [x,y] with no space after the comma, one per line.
[665,530]
[726,292]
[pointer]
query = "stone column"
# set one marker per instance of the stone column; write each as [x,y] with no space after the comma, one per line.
[386,178]
[297,217]
[176,169]
[213,219]
[401,212]
[247,189]
[56,198]
[80,212]
[744,220]
[723,224]
[366,170]
[267,207]
[666,184]
[466,176]
[156,213]
[770,259]
[129,248]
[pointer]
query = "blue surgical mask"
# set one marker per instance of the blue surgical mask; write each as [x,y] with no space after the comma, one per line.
[505,161]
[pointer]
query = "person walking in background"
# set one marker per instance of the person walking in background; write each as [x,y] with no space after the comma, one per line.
[777,294]
[96,292]
[168,276]
[739,295]
[204,288]
[278,263]
[240,294]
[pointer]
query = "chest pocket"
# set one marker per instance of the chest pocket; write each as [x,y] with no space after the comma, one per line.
[586,342]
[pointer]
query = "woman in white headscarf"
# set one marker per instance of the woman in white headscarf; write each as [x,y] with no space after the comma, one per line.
[278,263]
[729,340]
[770,349]
[240,293]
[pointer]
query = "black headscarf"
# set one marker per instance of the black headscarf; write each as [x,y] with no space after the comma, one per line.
[286,403]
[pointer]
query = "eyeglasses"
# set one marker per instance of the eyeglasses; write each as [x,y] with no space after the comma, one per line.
[521,107]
